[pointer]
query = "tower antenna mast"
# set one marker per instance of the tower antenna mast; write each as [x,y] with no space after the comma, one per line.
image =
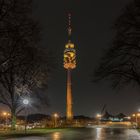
[69,25]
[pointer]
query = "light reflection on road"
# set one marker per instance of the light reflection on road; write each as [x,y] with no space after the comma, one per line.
[56,136]
[98,133]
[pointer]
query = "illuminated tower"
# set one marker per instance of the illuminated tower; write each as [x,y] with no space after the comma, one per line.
[69,65]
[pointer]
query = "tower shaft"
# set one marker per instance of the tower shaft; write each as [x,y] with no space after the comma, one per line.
[69,114]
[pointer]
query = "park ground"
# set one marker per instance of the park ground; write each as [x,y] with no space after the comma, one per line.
[34,132]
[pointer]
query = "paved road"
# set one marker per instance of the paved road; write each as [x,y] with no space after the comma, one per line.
[90,134]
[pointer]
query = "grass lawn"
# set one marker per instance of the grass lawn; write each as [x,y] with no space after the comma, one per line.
[33,132]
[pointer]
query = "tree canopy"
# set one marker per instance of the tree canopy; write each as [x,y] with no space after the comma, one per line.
[24,64]
[121,62]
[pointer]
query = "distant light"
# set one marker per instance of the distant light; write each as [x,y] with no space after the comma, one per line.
[98,115]
[4,113]
[8,114]
[138,114]
[128,117]
[25,101]
[133,115]
[55,115]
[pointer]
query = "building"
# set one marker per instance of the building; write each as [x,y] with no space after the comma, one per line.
[114,118]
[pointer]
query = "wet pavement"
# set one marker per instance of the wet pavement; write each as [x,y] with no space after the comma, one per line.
[89,134]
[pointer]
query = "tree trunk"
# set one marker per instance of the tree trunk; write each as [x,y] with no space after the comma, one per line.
[13,120]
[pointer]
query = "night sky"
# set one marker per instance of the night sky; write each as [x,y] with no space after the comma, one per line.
[92,22]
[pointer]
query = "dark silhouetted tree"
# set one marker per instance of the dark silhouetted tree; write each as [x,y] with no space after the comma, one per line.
[121,63]
[24,65]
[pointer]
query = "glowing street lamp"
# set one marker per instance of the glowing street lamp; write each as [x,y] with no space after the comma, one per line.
[134,115]
[138,114]
[129,118]
[99,116]
[8,114]
[56,115]
[26,103]
[4,113]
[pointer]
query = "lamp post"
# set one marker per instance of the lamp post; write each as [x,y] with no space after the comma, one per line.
[136,115]
[55,119]
[26,103]
[5,116]
[99,116]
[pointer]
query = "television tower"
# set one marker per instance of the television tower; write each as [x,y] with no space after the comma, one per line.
[69,65]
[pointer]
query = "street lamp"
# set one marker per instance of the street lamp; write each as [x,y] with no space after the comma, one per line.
[99,116]
[5,114]
[26,103]
[136,115]
[55,119]
[129,118]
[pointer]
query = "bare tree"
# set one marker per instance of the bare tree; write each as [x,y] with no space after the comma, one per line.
[121,63]
[24,65]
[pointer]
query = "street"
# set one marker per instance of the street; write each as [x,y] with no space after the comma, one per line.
[90,134]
